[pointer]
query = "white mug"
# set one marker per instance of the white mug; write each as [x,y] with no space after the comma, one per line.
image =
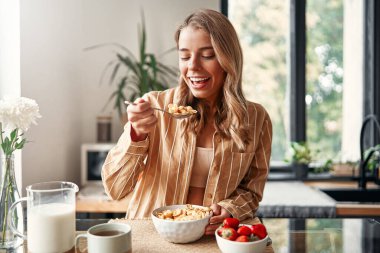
[108,237]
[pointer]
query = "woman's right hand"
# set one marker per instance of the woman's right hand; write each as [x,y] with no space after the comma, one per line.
[142,119]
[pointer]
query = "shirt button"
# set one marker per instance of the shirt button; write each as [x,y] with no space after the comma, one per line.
[209,195]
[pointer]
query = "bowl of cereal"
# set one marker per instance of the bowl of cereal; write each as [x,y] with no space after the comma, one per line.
[181,223]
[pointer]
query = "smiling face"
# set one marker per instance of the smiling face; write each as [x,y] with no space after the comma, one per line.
[198,64]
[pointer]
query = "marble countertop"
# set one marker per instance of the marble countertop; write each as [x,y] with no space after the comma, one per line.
[295,199]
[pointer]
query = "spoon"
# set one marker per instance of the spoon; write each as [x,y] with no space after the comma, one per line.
[176,116]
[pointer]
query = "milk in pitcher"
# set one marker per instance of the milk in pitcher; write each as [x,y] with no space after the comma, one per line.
[51,228]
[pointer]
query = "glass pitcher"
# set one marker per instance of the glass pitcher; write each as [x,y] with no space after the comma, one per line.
[50,217]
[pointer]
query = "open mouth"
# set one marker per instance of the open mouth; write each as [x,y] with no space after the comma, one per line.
[199,82]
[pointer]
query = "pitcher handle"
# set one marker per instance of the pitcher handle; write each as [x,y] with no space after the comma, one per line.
[77,242]
[10,218]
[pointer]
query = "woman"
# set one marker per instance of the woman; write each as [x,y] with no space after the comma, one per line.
[219,157]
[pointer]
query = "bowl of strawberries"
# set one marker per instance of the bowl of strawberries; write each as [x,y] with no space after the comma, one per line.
[232,236]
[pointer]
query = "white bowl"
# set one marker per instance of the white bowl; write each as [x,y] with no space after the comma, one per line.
[227,246]
[179,231]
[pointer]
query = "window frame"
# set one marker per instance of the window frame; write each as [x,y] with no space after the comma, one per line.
[297,75]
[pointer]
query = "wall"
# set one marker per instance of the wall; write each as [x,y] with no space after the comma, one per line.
[63,78]
[104,23]
[10,60]
[51,49]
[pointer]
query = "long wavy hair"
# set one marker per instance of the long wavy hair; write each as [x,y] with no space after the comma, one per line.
[231,107]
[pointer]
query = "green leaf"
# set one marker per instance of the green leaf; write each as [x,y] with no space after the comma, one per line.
[4,147]
[7,146]
[114,72]
[20,144]
[13,134]
[129,63]
[143,73]
[142,39]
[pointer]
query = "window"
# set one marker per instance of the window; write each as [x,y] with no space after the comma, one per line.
[304,63]
[263,28]
[334,77]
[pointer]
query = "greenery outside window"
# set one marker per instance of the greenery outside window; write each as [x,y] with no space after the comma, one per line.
[326,105]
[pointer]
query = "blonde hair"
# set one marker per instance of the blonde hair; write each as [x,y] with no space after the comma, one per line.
[231,111]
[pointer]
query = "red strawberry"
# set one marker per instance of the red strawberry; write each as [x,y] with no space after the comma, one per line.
[231,223]
[244,230]
[259,230]
[242,238]
[228,233]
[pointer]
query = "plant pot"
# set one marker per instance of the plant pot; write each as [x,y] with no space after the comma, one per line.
[343,169]
[300,171]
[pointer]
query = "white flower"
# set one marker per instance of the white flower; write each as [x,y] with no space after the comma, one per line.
[19,113]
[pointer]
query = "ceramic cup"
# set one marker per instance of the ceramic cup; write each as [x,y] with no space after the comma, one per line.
[107,237]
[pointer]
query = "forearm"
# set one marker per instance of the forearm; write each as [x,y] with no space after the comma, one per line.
[123,165]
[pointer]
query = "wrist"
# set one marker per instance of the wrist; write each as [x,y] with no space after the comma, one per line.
[136,137]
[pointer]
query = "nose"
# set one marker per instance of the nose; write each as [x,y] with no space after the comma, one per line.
[193,63]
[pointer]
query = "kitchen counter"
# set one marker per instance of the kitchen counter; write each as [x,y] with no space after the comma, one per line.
[288,235]
[286,199]
[295,199]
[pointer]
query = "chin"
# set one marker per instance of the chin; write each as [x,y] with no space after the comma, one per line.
[199,95]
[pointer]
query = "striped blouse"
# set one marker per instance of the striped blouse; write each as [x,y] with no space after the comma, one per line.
[157,171]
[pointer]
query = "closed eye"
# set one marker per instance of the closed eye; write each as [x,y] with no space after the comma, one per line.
[208,57]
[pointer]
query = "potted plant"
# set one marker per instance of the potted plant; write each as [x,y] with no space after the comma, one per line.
[373,154]
[135,76]
[323,167]
[300,156]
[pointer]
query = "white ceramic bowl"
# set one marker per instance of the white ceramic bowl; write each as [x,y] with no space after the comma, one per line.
[179,231]
[227,246]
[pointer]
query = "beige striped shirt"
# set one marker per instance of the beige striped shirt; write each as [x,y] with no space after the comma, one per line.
[157,171]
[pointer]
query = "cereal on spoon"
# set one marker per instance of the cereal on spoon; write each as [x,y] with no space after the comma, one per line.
[181,110]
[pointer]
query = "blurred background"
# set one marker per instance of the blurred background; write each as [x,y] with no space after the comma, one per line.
[312,64]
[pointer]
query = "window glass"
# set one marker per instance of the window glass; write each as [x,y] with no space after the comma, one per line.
[263,28]
[334,77]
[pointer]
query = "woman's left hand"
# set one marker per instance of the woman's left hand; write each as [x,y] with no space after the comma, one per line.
[219,214]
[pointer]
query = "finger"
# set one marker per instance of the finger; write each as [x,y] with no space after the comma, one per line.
[210,229]
[216,209]
[134,116]
[219,218]
[139,100]
[144,125]
[150,120]
[139,105]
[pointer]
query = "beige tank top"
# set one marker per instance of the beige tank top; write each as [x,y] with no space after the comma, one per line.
[202,163]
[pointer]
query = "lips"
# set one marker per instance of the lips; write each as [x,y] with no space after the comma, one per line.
[199,82]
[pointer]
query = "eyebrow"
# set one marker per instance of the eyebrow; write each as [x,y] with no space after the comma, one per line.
[201,49]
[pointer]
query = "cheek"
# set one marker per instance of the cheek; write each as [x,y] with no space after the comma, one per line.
[218,72]
[182,69]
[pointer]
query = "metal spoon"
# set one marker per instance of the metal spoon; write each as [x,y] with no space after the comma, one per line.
[179,116]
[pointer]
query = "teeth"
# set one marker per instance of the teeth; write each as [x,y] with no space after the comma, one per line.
[196,79]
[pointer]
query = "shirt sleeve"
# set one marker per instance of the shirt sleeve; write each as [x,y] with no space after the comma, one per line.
[123,165]
[244,201]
